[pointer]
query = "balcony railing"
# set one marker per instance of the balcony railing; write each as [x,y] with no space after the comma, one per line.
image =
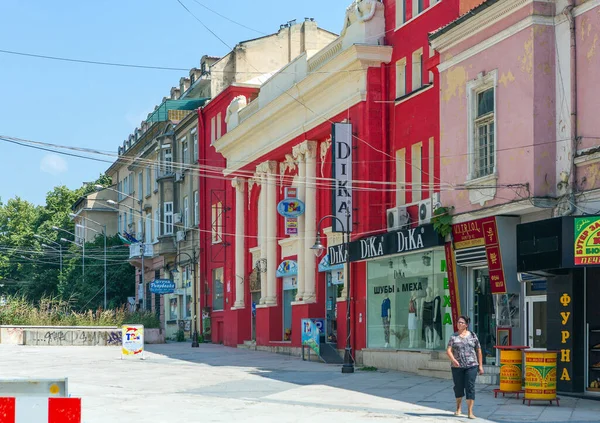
[135,250]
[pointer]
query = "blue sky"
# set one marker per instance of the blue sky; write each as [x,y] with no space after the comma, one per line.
[95,106]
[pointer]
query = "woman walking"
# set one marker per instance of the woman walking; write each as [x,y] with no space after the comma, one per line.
[464,352]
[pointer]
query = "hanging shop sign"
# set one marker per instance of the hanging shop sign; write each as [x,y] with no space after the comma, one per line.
[162,286]
[290,207]
[291,226]
[483,233]
[403,241]
[341,147]
[287,268]
[587,241]
[451,285]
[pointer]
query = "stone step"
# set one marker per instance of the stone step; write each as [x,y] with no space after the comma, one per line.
[247,345]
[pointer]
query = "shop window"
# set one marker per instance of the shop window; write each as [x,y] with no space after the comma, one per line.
[217,275]
[173,308]
[408,303]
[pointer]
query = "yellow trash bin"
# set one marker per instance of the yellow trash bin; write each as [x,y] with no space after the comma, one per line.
[540,375]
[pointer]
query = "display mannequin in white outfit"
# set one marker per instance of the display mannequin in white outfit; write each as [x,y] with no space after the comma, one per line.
[412,321]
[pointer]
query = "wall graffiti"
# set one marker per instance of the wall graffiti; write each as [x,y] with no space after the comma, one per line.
[73,337]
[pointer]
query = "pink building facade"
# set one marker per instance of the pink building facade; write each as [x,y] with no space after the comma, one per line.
[519,159]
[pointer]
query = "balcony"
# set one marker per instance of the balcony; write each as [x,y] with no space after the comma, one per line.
[135,250]
[175,110]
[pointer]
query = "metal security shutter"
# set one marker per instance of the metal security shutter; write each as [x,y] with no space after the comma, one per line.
[471,257]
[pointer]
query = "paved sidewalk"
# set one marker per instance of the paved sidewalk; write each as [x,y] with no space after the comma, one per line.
[218,384]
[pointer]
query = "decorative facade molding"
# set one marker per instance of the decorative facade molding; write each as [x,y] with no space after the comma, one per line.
[268,167]
[325,146]
[238,183]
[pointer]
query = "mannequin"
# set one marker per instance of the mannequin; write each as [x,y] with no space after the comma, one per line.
[412,320]
[386,315]
[428,318]
[437,318]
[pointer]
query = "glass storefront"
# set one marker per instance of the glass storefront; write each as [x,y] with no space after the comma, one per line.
[408,305]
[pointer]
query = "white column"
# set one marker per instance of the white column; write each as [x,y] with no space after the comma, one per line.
[262,222]
[310,154]
[271,216]
[240,263]
[301,241]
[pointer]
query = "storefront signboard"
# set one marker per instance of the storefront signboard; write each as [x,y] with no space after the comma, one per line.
[341,147]
[483,233]
[291,226]
[325,265]
[451,285]
[162,286]
[291,207]
[587,241]
[310,335]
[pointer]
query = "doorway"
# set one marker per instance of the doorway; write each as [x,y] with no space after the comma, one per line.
[480,306]
[536,315]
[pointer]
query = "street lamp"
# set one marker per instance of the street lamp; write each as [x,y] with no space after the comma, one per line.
[195,343]
[56,228]
[142,244]
[319,248]
[59,249]
[98,232]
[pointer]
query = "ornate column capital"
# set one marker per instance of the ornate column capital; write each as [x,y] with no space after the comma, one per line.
[268,167]
[307,149]
[238,183]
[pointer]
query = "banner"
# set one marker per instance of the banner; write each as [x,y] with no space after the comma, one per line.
[310,335]
[132,339]
[341,148]
[452,283]
[587,241]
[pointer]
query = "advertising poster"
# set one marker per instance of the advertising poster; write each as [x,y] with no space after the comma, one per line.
[133,340]
[587,241]
[310,335]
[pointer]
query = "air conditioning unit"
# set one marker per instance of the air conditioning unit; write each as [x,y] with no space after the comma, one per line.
[179,176]
[425,211]
[180,236]
[397,218]
[176,217]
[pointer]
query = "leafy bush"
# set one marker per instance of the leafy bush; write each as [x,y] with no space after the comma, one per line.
[52,311]
[180,336]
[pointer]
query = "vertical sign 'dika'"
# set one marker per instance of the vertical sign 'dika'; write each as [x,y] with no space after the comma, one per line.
[341,138]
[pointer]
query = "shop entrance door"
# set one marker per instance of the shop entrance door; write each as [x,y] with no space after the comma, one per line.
[480,306]
[535,309]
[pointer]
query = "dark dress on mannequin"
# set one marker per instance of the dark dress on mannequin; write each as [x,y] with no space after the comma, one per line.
[437,324]
[427,316]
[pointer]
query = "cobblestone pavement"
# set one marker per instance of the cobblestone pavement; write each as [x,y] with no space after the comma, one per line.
[177,383]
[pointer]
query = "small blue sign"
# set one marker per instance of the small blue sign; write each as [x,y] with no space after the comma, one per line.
[162,286]
[291,207]
[253,309]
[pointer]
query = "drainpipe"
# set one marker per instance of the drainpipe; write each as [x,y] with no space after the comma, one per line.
[568,12]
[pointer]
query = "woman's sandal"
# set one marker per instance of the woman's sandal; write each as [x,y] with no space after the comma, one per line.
[458,414]
[472,416]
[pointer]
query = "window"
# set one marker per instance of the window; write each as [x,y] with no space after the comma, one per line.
[125,186]
[148,180]
[125,222]
[484,133]
[186,211]
[196,209]
[418,6]
[120,224]
[156,225]
[131,183]
[400,12]
[219,120]
[138,234]
[195,141]
[217,276]
[141,185]
[168,219]
[482,125]
[167,161]
[156,175]
[120,191]
[401,77]
[131,220]
[401,177]
[417,69]
[213,130]
[148,228]
[217,223]
[184,153]
[416,168]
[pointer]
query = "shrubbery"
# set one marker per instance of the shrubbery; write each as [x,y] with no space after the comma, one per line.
[18,311]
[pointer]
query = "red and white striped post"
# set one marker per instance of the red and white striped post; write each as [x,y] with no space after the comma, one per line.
[34,409]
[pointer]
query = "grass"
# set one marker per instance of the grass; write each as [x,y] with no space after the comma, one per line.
[56,312]
[368,369]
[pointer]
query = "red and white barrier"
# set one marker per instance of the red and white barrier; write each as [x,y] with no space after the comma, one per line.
[40,410]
